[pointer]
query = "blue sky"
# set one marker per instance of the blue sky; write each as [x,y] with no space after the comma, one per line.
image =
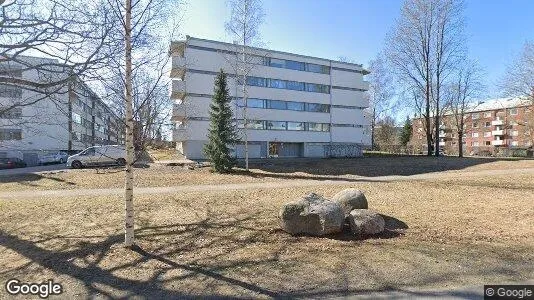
[496,29]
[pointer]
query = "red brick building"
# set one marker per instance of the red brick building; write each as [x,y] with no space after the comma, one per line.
[490,127]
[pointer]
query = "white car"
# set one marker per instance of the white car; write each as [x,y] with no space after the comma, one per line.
[98,156]
[53,157]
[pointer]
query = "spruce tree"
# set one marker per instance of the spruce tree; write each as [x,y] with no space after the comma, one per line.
[406,133]
[222,132]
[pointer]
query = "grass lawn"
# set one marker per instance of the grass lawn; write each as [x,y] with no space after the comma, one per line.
[441,234]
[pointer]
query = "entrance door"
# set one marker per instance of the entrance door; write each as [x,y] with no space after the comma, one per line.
[274,149]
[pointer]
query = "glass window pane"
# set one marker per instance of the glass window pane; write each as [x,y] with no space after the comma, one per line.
[256,103]
[314,127]
[318,68]
[295,126]
[277,83]
[325,127]
[295,85]
[295,105]
[295,65]
[257,125]
[256,81]
[276,104]
[278,63]
[276,125]
[316,107]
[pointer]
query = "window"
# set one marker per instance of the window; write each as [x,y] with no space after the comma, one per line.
[465,135]
[295,126]
[318,127]
[12,113]
[276,125]
[487,114]
[513,111]
[475,116]
[276,104]
[295,85]
[10,72]
[8,91]
[317,68]
[76,118]
[487,134]
[317,88]
[316,107]
[277,83]
[475,124]
[474,134]
[295,65]
[278,63]
[255,103]
[257,125]
[515,133]
[75,136]
[255,81]
[487,124]
[487,143]
[475,144]
[10,134]
[295,105]
[513,123]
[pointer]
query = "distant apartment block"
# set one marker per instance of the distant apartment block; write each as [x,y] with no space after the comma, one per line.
[489,127]
[298,106]
[72,118]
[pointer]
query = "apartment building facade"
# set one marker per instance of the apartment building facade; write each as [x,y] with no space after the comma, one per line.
[490,127]
[298,106]
[69,119]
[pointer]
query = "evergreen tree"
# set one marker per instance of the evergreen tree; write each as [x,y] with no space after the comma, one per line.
[406,133]
[222,132]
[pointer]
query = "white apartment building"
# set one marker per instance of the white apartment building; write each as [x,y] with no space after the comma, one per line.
[298,106]
[70,119]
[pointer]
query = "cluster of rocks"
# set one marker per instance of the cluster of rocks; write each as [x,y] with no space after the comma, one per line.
[318,216]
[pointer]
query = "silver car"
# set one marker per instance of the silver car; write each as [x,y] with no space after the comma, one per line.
[98,156]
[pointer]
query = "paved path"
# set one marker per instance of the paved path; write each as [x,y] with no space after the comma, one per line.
[32,194]
[32,170]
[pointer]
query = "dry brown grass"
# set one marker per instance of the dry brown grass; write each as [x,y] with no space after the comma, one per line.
[160,175]
[459,233]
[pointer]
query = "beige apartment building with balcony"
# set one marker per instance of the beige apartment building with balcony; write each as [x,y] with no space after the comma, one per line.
[298,106]
[490,126]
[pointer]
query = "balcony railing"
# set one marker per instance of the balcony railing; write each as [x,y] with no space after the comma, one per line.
[179,134]
[498,122]
[497,132]
[178,112]
[442,134]
[442,143]
[498,143]
[178,89]
[178,67]
[177,48]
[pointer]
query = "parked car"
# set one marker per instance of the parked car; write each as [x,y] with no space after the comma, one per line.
[11,163]
[53,158]
[98,156]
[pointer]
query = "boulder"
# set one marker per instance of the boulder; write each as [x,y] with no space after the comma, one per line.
[350,199]
[313,215]
[365,222]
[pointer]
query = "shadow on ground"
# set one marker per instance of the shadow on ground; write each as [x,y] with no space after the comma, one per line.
[368,166]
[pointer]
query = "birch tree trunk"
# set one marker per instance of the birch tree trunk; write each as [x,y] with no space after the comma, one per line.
[128,195]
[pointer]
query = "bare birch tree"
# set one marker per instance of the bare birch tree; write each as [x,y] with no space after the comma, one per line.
[381,92]
[519,78]
[244,25]
[423,48]
[464,87]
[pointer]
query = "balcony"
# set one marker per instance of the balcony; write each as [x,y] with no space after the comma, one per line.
[498,122]
[498,143]
[442,143]
[177,48]
[497,132]
[178,67]
[442,134]
[179,134]
[178,89]
[178,112]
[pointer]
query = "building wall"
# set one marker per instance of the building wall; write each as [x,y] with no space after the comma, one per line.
[203,59]
[72,118]
[481,134]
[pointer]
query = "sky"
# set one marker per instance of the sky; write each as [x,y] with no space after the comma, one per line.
[496,29]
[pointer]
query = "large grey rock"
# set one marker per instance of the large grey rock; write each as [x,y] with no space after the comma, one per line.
[365,222]
[350,199]
[313,215]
